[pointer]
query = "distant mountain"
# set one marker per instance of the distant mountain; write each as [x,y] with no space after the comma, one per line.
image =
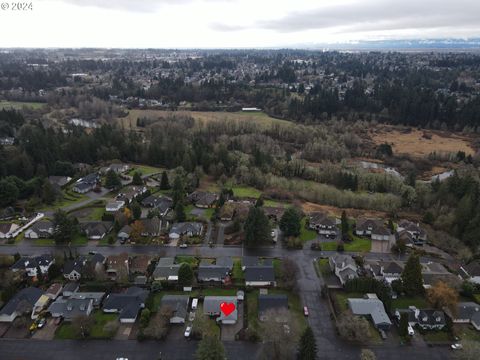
[425,44]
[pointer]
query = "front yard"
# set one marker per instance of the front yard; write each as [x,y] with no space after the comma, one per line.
[66,331]
[358,244]
[305,233]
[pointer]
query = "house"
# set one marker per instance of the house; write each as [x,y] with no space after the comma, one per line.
[472,271]
[87,183]
[466,313]
[427,319]
[433,272]
[7,229]
[69,308]
[40,230]
[211,307]
[373,308]
[21,303]
[96,297]
[124,233]
[365,226]
[382,239]
[139,264]
[114,206]
[54,291]
[248,261]
[70,288]
[31,264]
[73,268]
[178,305]
[260,275]
[130,193]
[418,235]
[117,168]
[276,304]
[117,266]
[162,204]
[151,227]
[344,267]
[127,304]
[186,228]
[166,270]
[274,213]
[7,141]
[59,181]
[203,199]
[96,230]
[217,272]
[391,270]
[323,224]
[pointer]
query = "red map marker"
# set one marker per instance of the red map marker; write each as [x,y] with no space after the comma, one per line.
[227,308]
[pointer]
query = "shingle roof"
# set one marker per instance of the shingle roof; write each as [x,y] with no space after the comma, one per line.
[272,302]
[372,307]
[178,304]
[260,273]
[27,296]
[128,304]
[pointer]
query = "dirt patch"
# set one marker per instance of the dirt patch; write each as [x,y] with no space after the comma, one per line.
[420,143]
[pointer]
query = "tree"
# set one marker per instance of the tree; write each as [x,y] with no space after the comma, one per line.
[289,274]
[48,193]
[158,326]
[164,184]
[308,346]
[290,222]
[136,210]
[54,271]
[82,325]
[257,227]
[210,348]
[112,180]
[178,190]
[137,178]
[441,295]
[344,225]
[137,230]
[412,276]
[180,212]
[403,326]
[145,317]
[185,275]
[279,342]
[259,202]
[64,227]
[367,354]
[8,193]
[353,328]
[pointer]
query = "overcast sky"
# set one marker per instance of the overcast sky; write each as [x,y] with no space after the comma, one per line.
[233,23]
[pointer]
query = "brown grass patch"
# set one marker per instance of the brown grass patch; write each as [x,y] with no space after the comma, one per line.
[414,142]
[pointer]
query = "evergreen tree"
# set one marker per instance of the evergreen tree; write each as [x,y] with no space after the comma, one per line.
[308,346]
[344,224]
[210,348]
[178,191]
[185,275]
[403,327]
[136,210]
[290,223]
[112,180]
[164,184]
[257,227]
[259,202]
[64,226]
[412,276]
[137,178]
[48,193]
[180,212]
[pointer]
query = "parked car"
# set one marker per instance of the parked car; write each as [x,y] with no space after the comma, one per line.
[191,316]
[194,304]
[410,331]
[41,323]
[188,331]
[183,246]
[457,346]
[305,311]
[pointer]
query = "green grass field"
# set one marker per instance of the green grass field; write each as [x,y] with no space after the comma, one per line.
[144,169]
[405,302]
[323,266]
[69,198]
[246,191]
[237,272]
[358,244]
[17,105]
[67,332]
[305,233]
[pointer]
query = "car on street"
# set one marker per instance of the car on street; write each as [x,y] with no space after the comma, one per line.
[305,311]
[183,246]
[410,331]
[188,331]
[457,346]
[41,323]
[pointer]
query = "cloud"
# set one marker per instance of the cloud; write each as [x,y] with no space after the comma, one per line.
[373,15]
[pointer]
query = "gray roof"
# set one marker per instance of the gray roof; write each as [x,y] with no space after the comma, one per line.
[70,287]
[225,261]
[466,310]
[69,308]
[372,307]
[127,304]
[211,305]
[28,296]
[32,262]
[209,272]
[178,304]
[186,227]
[272,302]
[165,268]
[96,297]
[74,265]
[260,273]
[250,261]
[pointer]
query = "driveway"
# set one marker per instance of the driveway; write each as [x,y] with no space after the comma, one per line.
[123,332]
[47,332]
[228,332]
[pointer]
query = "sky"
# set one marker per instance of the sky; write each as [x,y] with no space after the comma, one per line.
[233,23]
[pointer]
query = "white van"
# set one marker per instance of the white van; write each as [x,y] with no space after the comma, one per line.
[194,304]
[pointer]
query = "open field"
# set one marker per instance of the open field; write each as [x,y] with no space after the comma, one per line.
[144,169]
[17,105]
[202,117]
[415,144]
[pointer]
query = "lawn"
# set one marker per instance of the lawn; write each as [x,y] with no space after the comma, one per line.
[404,302]
[252,309]
[437,336]
[237,272]
[219,292]
[305,233]
[323,266]
[466,332]
[342,298]
[66,330]
[358,244]
[277,267]
[246,191]
[69,198]
[18,105]
[477,298]
[145,170]
[44,242]
[192,260]
[79,240]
